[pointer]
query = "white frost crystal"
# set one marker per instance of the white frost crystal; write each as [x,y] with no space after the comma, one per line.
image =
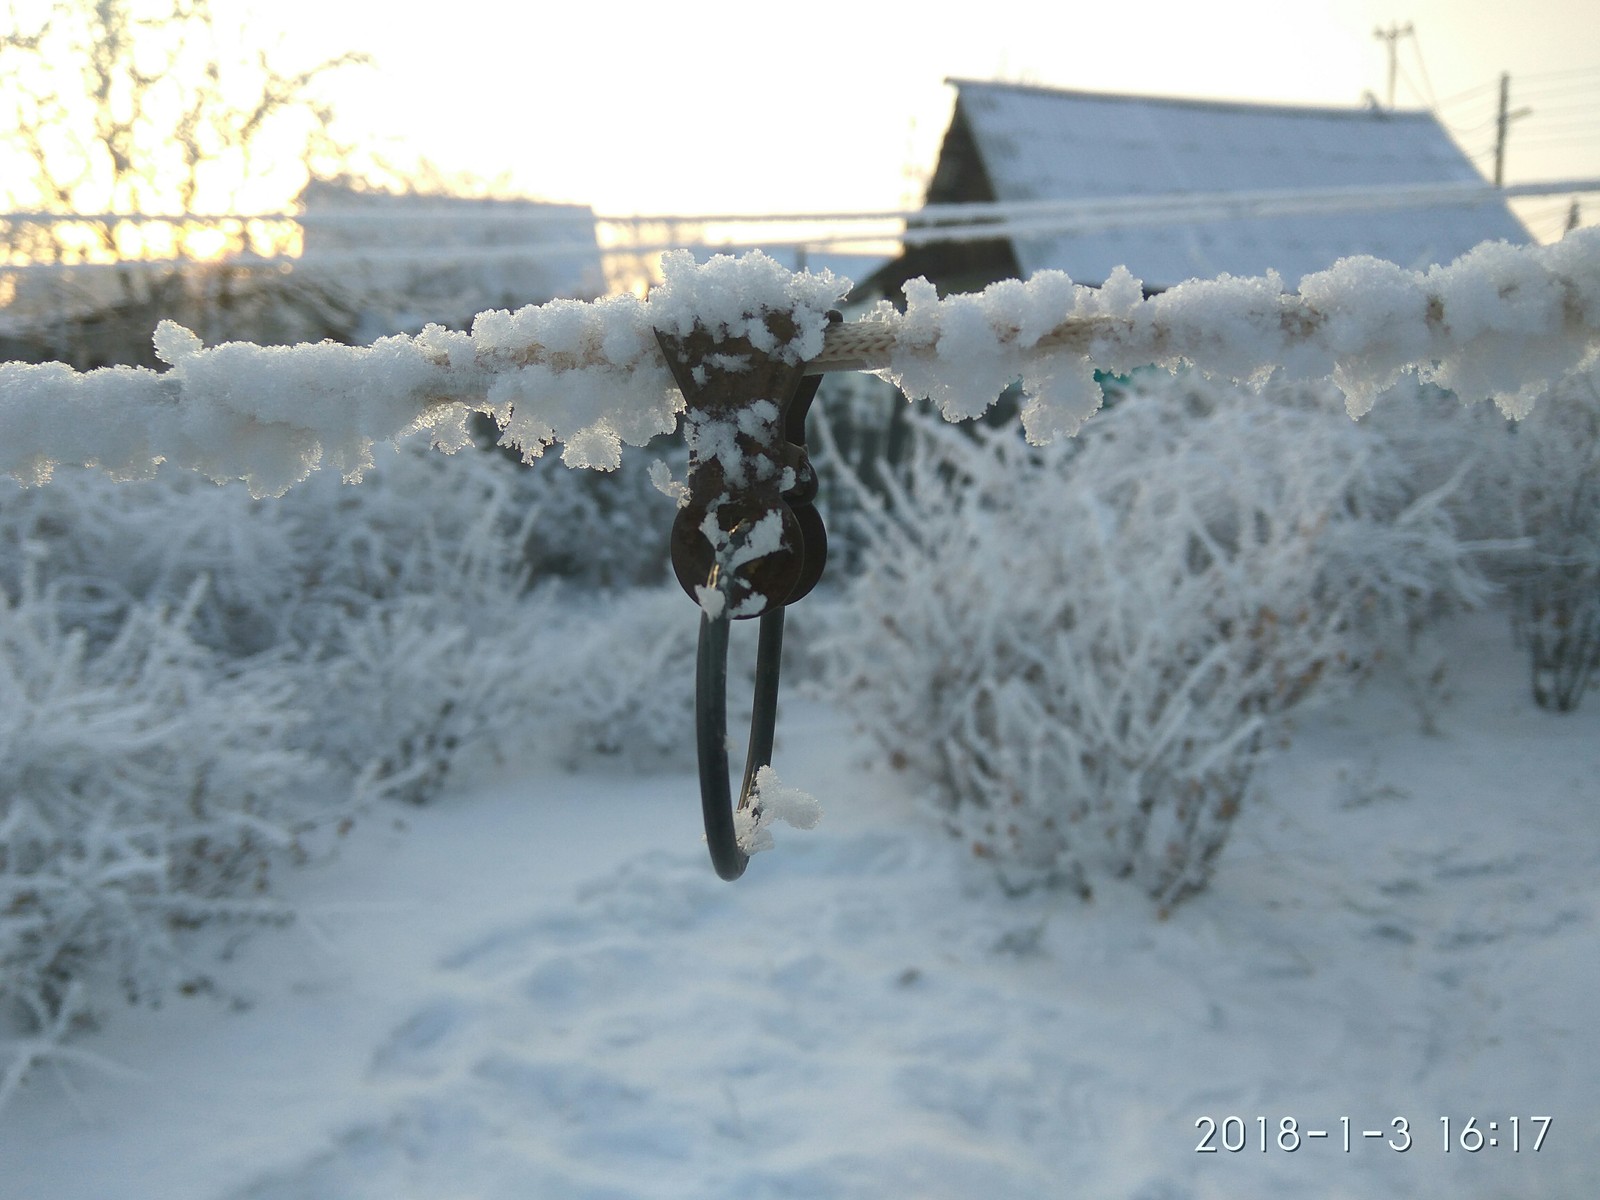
[773,801]
[661,479]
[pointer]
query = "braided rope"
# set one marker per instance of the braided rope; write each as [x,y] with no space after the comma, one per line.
[869,345]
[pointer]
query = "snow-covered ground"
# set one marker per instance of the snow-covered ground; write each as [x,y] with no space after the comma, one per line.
[537,988]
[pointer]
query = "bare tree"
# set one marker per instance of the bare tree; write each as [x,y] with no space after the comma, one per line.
[141,107]
[134,118]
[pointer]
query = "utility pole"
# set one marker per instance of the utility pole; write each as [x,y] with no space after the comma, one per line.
[1502,124]
[1392,35]
[911,180]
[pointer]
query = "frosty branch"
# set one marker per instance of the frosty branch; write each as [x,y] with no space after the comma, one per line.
[1502,322]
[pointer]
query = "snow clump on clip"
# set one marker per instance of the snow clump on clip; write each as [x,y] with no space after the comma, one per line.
[773,801]
[732,297]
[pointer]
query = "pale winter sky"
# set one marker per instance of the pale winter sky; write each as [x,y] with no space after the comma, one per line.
[704,106]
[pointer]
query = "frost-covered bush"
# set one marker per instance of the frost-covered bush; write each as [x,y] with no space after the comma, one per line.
[421,522]
[601,529]
[868,435]
[1551,472]
[620,683]
[1083,649]
[406,602]
[301,583]
[142,789]
[103,549]
[415,688]
[79,320]
[191,677]
[582,677]
[1528,492]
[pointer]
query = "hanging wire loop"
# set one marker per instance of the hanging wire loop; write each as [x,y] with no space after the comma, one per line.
[711,733]
[745,543]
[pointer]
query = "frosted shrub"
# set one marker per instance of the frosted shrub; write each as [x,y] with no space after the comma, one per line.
[108,548]
[220,301]
[401,607]
[620,683]
[283,569]
[415,689]
[1528,492]
[1084,649]
[447,526]
[141,789]
[869,435]
[602,529]
[1552,473]
[425,641]
[190,677]
[579,677]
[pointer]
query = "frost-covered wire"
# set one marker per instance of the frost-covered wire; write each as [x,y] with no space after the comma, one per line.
[589,376]
[1502,322]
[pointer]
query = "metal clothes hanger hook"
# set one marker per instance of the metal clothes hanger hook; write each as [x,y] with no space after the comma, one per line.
[723,550]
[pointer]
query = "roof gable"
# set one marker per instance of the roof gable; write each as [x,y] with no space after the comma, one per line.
[1038,143]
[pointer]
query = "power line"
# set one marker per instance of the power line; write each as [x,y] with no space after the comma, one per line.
[1416,47]
[1559,90]
[1570,141]
[1470,92]
[1411,86]
[1527,85]
[1564,74]
[1565,127]
[1588,110]
[1486,123]
[1547,224]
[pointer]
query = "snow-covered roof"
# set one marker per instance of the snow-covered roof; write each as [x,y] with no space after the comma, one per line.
[501,251]
[1037,143]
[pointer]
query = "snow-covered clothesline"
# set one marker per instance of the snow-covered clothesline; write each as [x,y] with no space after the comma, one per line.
[1502,322]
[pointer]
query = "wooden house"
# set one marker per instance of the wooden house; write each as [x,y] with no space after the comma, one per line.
[1013,142]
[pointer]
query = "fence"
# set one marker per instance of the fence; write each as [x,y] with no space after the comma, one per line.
[270,235]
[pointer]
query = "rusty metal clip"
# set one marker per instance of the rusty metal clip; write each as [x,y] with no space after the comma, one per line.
[747,543]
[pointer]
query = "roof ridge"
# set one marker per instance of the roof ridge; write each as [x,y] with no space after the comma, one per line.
[1257,106]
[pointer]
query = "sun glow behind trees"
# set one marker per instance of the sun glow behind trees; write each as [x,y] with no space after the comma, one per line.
[138,107]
